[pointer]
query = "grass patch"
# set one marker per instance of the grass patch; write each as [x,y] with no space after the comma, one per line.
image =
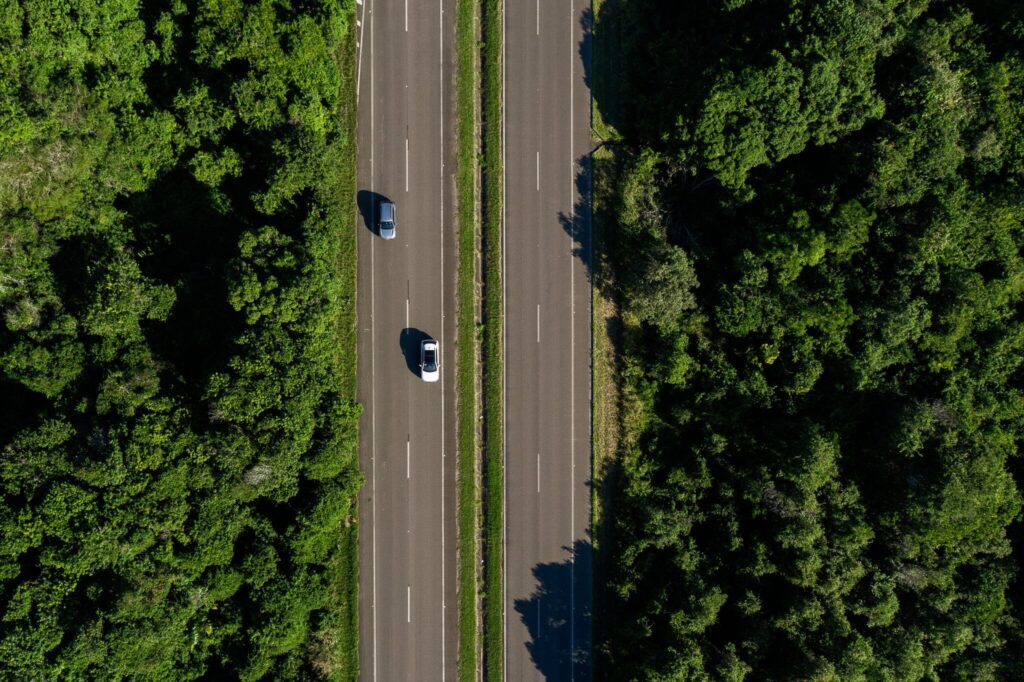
[338,639]
[467,474]
[606,424]
[606,330]
[607,325]
[493,384]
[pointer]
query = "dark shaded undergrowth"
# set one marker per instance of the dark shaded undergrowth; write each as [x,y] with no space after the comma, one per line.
[818,226]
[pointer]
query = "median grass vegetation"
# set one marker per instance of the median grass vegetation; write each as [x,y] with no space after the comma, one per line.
[468,472]
[493,383]
[178,446]
[818,223]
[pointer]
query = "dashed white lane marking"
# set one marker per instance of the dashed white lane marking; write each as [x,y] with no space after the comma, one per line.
[406,16]
[373,358]
[407,460]
[406,313]
[538,171]
[408,603]
[407,164]
[538,323]
[538,472]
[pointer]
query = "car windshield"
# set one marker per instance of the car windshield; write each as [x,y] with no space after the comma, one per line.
[387,225]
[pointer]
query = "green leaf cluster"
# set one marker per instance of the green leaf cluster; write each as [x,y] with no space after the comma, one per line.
[820,221]
[177,454]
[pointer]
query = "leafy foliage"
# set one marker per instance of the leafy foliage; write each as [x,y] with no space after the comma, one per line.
[177,460]
[820,220]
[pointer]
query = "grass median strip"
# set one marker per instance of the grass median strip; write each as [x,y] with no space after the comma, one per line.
[468,492]
[493,384]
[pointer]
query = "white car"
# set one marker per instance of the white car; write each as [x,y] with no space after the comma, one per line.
[430,360]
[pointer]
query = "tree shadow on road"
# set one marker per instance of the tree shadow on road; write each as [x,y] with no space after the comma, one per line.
[558,616]
[578,224]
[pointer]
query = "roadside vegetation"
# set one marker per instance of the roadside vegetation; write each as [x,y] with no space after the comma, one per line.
[493,334]
[468,406]
[178,446]
[606,428]
[819,216]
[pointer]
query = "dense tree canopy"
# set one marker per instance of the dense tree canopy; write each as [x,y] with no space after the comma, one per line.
[819,222]
[177,450]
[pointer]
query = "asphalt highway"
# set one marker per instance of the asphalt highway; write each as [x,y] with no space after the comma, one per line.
[547,341]
[406,293]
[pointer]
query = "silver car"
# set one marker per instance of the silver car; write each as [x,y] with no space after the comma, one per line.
[386,220]
[430,360]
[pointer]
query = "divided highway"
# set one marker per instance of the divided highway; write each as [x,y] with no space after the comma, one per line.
[406,293]
[408,628]
[547,341]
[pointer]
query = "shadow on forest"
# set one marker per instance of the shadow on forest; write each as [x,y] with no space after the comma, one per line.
[191,234]
[558,616]
[653,61]
[409,341]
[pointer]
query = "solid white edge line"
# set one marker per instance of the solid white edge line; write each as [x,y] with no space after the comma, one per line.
[440,23]
[572,354]
[504,364]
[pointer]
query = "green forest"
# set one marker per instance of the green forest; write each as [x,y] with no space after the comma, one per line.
[817,214]
[177,449]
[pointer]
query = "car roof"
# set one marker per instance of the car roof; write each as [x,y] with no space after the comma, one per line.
[387,212]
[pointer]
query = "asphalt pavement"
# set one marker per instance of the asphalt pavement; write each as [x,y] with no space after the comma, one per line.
[406,293]
[548,553]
